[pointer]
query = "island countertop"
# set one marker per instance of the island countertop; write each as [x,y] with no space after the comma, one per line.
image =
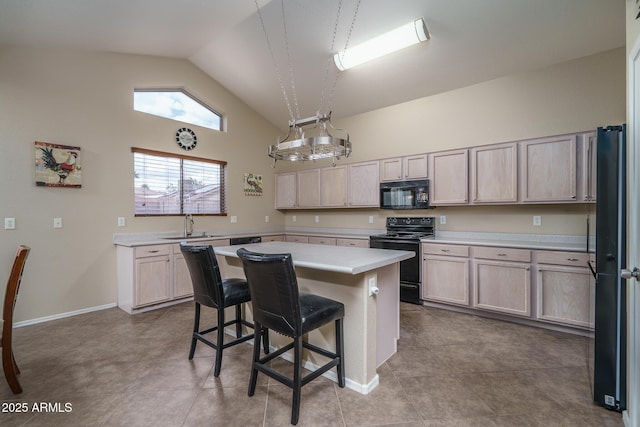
[339,259]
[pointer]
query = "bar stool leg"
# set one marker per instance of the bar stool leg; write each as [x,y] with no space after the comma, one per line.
[196,326]
[256,356]
[297,379]
[340,351]
[219,342]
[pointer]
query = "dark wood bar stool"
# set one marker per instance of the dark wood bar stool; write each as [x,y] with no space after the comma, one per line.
[278,305]
[210,290]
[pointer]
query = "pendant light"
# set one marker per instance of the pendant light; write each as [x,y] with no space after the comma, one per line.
[310,138]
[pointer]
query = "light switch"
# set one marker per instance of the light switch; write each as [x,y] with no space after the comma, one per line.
[443,219]
[537,220]
[9,223]
[121,221]
[370,219]
[234,219]
[57,222]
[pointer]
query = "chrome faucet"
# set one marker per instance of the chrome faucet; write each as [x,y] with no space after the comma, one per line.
[188,225]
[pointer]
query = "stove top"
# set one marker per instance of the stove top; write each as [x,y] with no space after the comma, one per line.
[408,228]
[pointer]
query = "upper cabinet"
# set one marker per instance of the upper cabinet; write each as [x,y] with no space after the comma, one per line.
[308,189]
[548,169]
[286,193]
[494,173]
[589,167]
[449,177]
[403,168]
[333,185]
[364,185]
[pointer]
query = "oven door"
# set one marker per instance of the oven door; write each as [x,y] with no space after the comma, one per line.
[409,269]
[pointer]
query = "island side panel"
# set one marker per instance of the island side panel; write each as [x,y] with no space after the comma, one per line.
[387,312]
[359,322]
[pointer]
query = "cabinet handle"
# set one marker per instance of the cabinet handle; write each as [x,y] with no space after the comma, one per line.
[153,252]
[445,250]
[572,259]
[501,254]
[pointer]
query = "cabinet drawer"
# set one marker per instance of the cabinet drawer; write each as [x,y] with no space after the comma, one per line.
[442,249]
[502,254]
[322,240]
[297,239]
[356,243]
[152,250]
[563,258]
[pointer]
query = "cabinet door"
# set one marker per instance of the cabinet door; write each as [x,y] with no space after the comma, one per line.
[589,166]
[415,167]
[296,239]
[502,287]
[333,183]
[364,185]
[182,286]
[286,190]
[445,279]
[153,280]
[356,243]
[331,241]
[450,177]
[494,173]
[278,238]
[308,188]
[565,295]
[548,169]
[391,169]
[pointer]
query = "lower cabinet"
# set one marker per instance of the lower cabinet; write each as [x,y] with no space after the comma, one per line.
[276,238]
[356,243]
[153,276]
[296,238]
[445,272]
[565,288]
[331,241]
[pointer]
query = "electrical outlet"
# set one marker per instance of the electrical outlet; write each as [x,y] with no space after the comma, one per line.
[370,219]
[9,223]
[317,218]
[537,220]
[266,218]
[234,219]
[57,222]
[121,221]
[443,219]
[294,218]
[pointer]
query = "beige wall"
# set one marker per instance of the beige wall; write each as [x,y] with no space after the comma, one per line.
[85,99]
[573,96]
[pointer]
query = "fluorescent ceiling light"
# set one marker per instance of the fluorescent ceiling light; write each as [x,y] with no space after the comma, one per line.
[407,35]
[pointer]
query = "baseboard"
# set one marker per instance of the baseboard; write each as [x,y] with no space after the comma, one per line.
[62,315]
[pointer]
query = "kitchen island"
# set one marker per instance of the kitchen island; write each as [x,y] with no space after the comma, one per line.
[365,280]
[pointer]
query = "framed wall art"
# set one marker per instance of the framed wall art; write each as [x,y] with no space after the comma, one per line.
[252,184]
[58,165]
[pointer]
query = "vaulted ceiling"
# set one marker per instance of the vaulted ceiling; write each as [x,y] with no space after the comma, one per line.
[471,41]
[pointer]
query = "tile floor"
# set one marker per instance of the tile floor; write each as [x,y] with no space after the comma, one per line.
[451,369]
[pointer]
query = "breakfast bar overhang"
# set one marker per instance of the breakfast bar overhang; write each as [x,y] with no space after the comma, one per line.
[365,280]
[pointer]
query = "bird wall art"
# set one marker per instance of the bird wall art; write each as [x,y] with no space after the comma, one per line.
[57,165]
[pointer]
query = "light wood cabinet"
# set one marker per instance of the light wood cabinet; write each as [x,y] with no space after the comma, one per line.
[308,189]
[331,241]
[502,280]
[565,288]
[296,238]
[277,238]
[356,243]
[589,167]
[445,273]
[333,184]
[182,286]
[153,280]
[404,168]
[364,185]
[548,169]
[450,177]
[286,190]
[494,173]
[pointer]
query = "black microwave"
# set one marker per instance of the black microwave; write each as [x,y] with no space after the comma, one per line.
[404,194]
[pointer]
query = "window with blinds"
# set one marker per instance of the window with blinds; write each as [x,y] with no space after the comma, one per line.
[171,184]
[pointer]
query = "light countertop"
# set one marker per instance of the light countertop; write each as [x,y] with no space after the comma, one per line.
[340,259]
[510,240]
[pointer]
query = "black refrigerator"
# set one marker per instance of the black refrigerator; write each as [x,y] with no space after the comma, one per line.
[609,364]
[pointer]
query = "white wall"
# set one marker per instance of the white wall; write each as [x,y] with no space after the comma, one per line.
[86,99]
[573,96]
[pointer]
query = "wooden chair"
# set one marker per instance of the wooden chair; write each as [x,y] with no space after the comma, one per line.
[11,293]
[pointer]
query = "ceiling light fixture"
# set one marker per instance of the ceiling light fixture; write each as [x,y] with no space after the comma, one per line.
[297,146]
[407,35]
